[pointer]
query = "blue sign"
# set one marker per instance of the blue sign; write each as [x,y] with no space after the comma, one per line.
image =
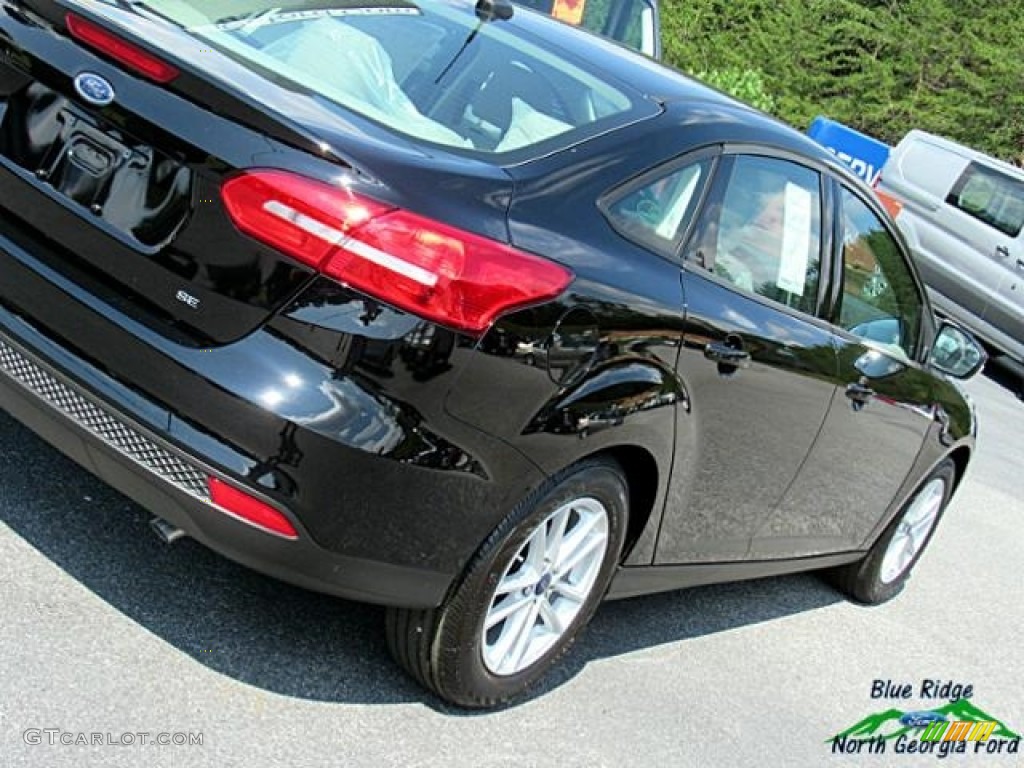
[863,154]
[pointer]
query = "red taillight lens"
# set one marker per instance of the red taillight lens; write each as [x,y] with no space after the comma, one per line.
[429,269]
[249,509]
[133,57]
[303,218]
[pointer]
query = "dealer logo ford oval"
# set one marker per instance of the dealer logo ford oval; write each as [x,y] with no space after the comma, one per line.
[94,89]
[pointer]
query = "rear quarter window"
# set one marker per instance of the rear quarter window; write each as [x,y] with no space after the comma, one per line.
[656,211]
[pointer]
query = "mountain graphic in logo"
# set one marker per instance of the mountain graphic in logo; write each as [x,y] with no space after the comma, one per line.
[886,724]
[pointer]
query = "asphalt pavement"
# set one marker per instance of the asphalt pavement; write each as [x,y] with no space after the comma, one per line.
[110,640]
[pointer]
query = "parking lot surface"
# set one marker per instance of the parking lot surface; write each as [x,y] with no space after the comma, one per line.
[109,636]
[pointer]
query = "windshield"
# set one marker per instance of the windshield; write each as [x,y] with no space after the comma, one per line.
[430,70]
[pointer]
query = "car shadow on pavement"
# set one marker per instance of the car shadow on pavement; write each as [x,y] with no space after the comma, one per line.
[287,640]
[1006,377]
[624,626]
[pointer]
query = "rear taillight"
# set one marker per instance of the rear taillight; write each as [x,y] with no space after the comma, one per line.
[121,51]
[413,263]
[249,509]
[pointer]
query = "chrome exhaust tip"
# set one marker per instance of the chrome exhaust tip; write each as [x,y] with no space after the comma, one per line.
[167,532]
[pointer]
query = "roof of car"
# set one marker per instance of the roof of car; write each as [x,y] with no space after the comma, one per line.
[724,119]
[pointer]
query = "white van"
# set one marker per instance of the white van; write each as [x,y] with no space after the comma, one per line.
[962,213]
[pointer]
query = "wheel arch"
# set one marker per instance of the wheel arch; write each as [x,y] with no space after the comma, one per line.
[642,479]
[961,457]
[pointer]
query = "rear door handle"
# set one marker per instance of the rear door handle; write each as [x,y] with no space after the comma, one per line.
[1003,252]
[859,394]
[723,354]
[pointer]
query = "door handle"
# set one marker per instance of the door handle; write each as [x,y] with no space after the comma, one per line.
[1020,264]
[725,355]
[1002,252]
[859,394]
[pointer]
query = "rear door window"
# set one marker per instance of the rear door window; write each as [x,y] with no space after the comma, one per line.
[991,197]
[764,233]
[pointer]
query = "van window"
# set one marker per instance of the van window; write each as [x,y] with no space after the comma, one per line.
[629,22]
[990,196]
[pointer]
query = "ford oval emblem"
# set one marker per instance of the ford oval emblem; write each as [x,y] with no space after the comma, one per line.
[94,89]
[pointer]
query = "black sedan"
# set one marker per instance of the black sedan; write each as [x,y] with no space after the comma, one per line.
[460,311]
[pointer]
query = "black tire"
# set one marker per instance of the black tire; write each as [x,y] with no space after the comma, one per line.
[863,581]
[444,648]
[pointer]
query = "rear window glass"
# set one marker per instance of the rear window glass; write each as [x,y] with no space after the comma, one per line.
[431,70]
[992,197]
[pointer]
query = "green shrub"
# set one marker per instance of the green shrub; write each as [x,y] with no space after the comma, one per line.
[747,85]
[952,67]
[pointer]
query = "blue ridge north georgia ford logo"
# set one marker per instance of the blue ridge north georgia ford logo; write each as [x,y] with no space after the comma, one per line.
[94,89]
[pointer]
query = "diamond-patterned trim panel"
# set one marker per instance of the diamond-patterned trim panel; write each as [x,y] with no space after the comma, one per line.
[99,422]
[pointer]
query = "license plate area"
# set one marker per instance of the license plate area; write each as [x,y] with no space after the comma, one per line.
[137,190]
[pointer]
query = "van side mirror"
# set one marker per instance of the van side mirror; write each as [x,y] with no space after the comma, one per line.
[955,352]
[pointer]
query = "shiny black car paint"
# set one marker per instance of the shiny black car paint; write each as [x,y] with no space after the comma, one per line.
[394,445]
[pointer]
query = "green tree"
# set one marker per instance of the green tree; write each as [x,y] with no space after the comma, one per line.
[745,84]
[953,67]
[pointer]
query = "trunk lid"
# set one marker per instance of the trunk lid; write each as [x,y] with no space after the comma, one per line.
[125,191]
[126,195]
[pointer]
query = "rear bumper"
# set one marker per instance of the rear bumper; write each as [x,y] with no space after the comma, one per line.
[331,412]
[170,484]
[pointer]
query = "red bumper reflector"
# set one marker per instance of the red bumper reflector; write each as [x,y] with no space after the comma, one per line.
[121,51]
[253,511]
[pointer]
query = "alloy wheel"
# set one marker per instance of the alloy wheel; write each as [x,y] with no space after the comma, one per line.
[912,532]
[545,586]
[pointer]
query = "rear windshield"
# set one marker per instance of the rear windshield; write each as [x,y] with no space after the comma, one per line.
[433,70]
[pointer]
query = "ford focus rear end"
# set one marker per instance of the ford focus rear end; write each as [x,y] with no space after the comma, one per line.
[241,266]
